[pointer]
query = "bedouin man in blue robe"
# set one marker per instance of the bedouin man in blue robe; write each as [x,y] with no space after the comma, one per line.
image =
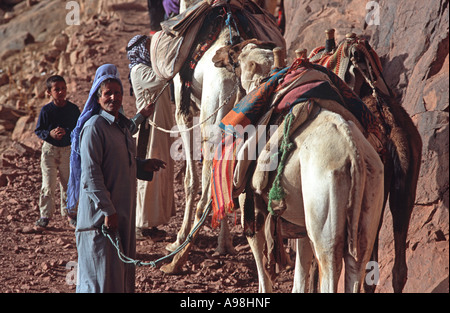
[103,177]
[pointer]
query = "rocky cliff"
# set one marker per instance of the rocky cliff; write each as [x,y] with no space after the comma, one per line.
[411,37]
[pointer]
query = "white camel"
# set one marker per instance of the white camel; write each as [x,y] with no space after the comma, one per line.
[214,92]
[333,181]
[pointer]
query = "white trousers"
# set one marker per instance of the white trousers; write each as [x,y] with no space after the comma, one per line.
[54,160]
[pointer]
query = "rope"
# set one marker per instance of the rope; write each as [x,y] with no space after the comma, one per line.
[367,79]
[158,95]
[230,21]
[202,122]
[277,193]
[115,241]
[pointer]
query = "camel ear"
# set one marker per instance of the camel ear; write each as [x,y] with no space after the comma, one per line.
[226,57]
[221,58]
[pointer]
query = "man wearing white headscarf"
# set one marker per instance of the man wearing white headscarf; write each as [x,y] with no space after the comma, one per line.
[103,176]
[155,201]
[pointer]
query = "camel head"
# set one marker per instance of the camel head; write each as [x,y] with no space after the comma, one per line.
[251,60]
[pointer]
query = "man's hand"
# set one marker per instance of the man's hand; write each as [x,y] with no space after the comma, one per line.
[153,165]
[148,110]
[112,222]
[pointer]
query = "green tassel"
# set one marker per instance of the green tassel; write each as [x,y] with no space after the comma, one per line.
[277,193]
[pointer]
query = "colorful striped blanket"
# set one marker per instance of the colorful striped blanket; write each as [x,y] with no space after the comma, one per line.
[246,112]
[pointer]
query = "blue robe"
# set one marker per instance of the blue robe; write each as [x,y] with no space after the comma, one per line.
[108,185]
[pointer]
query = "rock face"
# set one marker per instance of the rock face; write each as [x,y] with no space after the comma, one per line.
[411,38]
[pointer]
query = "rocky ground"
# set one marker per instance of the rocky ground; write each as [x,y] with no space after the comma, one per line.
[32,46]
[41,260]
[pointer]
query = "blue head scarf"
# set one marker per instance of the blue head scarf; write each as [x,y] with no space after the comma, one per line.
[92,107]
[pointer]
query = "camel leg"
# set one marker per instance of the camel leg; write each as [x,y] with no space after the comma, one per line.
[191,182]
[401,202]
[256,243]
[191,187]
[314,277]
[175,267]
[181,257]
[255,234]
[401,214]
[303,259]
[327,235]
[371,288]
[225,240]
[354,271]
[330,267]
[371,202]
[326,224]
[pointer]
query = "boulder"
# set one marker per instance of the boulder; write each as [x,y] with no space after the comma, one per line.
[24,132]
[61,41]
[13,45]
